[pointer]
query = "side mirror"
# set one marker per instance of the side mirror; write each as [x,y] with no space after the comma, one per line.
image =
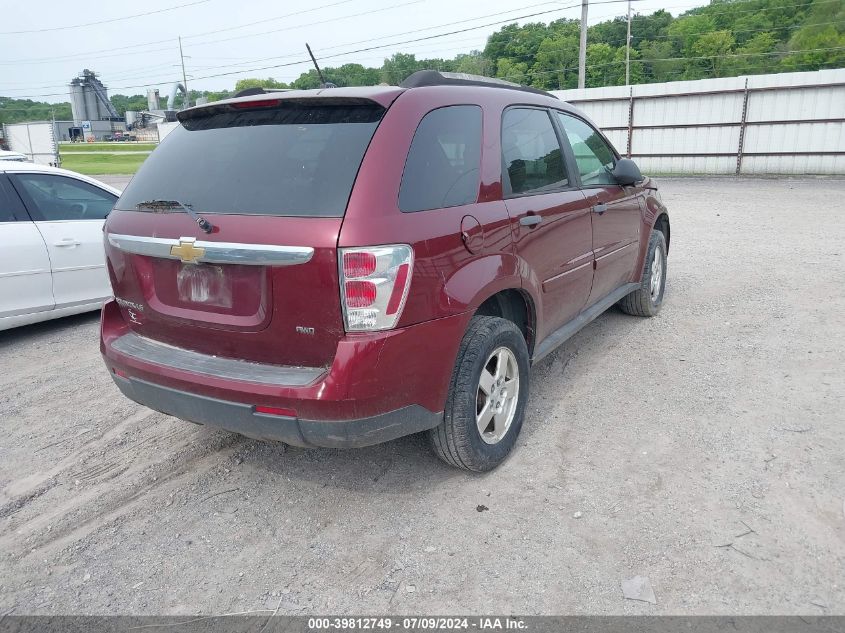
[626,172]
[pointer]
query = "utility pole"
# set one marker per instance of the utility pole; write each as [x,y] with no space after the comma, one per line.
[628,49]
[184,79]
[582,49]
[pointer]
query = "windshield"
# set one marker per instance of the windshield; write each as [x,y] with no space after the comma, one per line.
[289,159]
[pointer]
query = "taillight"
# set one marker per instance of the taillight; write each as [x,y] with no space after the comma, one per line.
[358,264]
[360,294]
[374,283]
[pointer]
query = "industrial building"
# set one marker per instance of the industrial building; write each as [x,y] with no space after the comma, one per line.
[96,119]
[94,116]
[155,113]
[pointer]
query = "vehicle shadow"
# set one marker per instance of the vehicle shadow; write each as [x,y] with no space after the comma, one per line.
[402,464]
[408,462]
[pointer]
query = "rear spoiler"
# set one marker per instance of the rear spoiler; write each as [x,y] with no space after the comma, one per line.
[274,109]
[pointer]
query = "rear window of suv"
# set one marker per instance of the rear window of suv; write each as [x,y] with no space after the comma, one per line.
[290,158]
[442,168]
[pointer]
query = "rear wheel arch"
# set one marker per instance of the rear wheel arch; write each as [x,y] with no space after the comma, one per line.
[515,305]
[662,224]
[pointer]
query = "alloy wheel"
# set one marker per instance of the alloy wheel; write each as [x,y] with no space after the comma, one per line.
[656,281]
[497,395]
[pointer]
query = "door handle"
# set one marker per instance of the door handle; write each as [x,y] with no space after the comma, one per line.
[67,242]
[600,208]
[530,220]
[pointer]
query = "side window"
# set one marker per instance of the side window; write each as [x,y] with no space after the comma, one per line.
[62,198]
[10,204]
[593,156]
[531,153]
[442,169]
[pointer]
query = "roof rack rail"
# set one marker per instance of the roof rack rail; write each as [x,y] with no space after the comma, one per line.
[436,78]
[248,92]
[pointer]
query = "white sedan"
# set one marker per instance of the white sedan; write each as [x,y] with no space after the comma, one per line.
[52,262]
[13,156]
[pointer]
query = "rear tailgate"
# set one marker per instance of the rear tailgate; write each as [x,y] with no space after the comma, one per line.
[273,178]
[285,311]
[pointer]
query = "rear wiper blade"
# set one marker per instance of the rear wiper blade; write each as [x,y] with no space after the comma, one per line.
[204,224]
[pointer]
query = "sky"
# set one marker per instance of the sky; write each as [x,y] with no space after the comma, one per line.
[43,45]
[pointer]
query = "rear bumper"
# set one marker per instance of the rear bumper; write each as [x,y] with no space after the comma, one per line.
[379,386]
[243,419]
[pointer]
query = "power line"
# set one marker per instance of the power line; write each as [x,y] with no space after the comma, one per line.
[299,26]
[421,49]
[265,20]
[123,52]
[803,5]
[642,38]
[128,73]
[732,55]
[385,37]
[530,73]
[429,37]
[411,41]
[251,60]
[731,31]
[748,70]
[154,42]
[109,21]
[44,60]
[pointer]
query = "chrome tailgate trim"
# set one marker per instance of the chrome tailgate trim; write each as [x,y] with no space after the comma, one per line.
[213,252]
[151,351]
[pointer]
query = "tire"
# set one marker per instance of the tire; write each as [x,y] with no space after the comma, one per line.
[497,347]
[643,301]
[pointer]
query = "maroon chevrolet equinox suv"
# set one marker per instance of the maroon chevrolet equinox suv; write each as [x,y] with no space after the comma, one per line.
[345,266]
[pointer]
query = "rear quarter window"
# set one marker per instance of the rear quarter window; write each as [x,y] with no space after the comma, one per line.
[442,168]
[293,158]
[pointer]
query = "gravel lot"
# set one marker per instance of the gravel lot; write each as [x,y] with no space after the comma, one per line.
[702,449]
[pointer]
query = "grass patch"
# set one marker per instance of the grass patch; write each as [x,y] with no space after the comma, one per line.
[106,147]
[95,164]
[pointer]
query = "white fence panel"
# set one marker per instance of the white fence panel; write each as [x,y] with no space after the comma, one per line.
[608,113]
[619,138]
[691,109]
[787,123]
[717,140]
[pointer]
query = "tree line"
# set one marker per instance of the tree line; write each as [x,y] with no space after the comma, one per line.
[723,39]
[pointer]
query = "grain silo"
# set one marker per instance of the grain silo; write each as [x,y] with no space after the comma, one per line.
[89,99]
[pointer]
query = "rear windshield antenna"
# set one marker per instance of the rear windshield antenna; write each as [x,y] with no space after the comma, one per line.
[323,82]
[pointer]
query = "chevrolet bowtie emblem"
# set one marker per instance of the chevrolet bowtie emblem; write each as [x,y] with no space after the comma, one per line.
[186,251]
